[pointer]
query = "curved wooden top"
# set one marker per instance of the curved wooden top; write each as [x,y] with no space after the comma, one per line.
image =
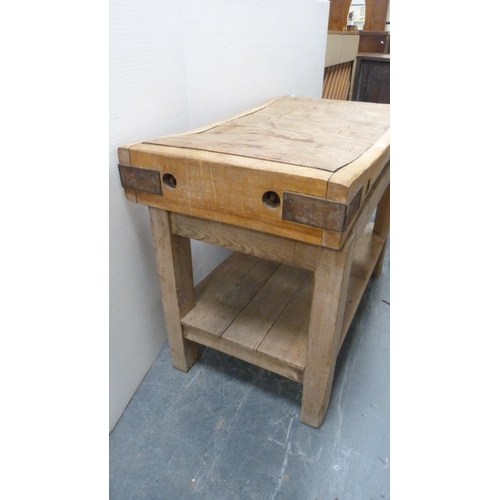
[310,132]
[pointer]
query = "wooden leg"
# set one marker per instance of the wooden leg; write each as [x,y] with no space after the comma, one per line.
[381,227]
[174,265]
[325,328]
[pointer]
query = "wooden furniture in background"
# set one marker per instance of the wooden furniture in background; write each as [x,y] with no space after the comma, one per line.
[341,52]
[346,75]
[374,41]
[289,186]
[339,10]
[375,15]
[372,81]
[373,36]
[337,81]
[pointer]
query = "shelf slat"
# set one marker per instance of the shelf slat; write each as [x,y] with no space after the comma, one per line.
[251,326]
[225,292]
[287,339]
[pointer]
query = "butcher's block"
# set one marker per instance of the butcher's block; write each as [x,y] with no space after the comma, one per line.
[298,187]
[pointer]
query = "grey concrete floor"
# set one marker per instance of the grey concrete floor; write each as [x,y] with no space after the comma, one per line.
[230,430]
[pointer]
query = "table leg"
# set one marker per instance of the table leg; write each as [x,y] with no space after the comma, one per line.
[331,280]
[174,266]
[381,226]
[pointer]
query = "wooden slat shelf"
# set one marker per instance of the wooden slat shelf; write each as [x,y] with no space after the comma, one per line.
[258,310]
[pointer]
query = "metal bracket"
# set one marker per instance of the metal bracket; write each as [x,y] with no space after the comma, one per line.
[140,179]
[319,212]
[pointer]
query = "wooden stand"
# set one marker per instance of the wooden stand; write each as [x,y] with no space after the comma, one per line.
[278,302]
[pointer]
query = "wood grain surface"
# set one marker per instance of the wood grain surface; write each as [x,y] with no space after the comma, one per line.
[311,132]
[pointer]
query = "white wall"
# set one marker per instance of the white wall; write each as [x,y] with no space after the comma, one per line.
[177,65]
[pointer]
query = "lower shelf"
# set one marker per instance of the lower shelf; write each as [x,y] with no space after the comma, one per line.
[258,310]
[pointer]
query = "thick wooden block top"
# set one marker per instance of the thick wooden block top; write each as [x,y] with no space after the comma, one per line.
[293,166]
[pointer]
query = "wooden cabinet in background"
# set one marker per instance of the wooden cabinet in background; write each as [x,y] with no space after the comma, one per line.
[372,78]
[374,41]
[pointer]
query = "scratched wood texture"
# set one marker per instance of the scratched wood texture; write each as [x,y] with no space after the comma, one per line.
[310,132]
